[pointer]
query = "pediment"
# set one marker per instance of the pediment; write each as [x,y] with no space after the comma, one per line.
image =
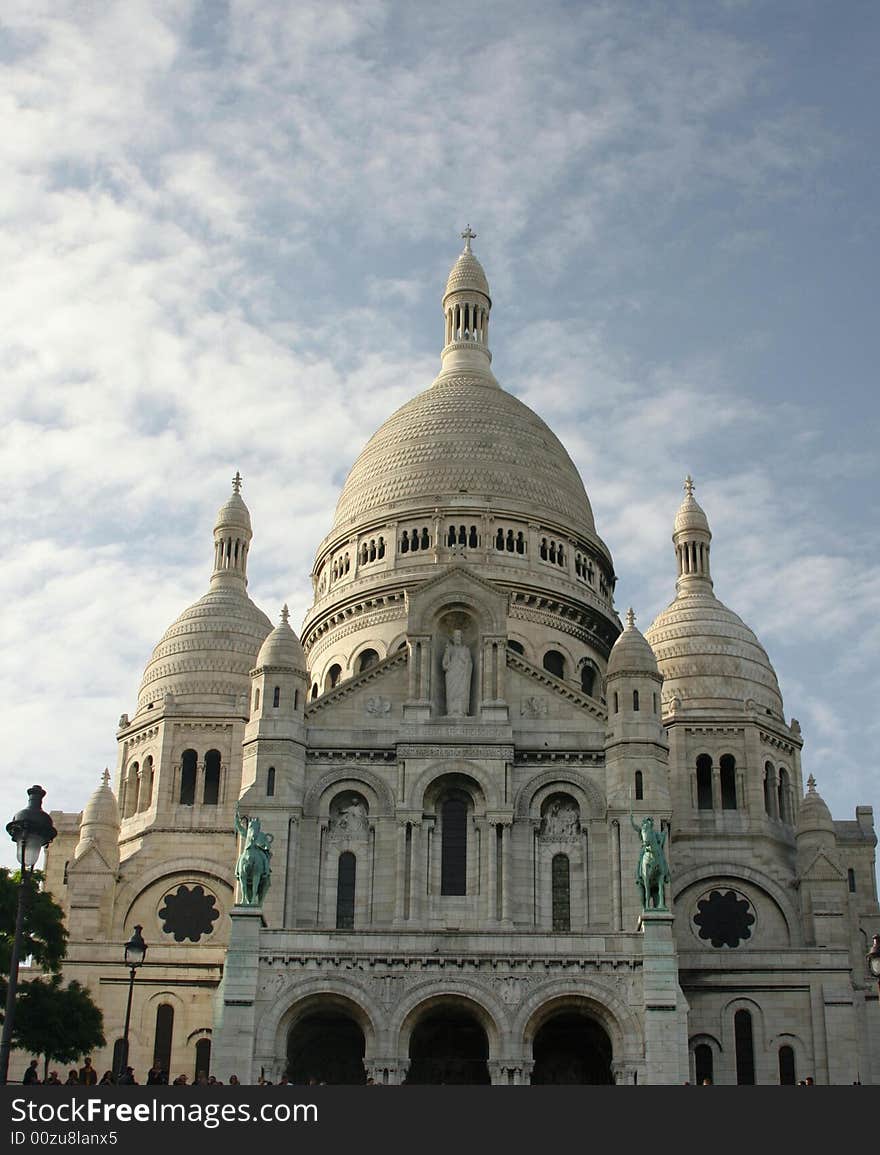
[534,693]
[823,869]
[457,588]
[91,861]
[370,699]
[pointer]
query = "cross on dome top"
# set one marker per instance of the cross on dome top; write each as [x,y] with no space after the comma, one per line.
[689,486]
[811,785]
[467,236]
[285,614]
[105,777]
[236,482]
[630,619]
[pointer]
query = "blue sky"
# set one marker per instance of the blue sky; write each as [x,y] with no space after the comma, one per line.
[225,231]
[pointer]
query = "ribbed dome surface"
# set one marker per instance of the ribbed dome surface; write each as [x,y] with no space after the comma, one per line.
[282,648]
[709,657]
[465,435]
[208,653]
[631,653]
[101,809]
[467,273]
[813,814]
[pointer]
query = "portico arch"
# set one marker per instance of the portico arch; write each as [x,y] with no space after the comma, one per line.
[447,1041]
[325,1036]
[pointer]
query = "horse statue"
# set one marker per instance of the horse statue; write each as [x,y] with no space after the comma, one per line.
[252,870]
[652,872]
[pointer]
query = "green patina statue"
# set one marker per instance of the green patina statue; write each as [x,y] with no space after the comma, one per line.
[652,872]
[253,868]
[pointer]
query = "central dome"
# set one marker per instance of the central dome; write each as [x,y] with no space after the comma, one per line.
[466,436]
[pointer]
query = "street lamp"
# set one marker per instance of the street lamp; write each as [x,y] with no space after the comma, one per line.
[135,952]
[874,960]
[31,830]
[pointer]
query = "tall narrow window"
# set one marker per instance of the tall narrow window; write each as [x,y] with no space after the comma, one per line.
[703,1064]
[211,794]
[164,1036]
[728,782]
[270,782]
[561,892]
[616,703]
[782,795]
[851,880]
[588,677]
[768,787]
[345,888]
[276,697]
[640,786]
[188,777]
[145,792]
[635,700]
[704,782]
[745,1049]
[787,1072]
[203,1058]
[453,850]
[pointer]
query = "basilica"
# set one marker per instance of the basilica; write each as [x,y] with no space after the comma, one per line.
[451,766]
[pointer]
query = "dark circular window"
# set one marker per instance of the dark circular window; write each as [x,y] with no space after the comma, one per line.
[189,912]
[725,918]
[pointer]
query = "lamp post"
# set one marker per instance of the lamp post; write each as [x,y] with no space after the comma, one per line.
[135,952]
[31,830]
[874,961]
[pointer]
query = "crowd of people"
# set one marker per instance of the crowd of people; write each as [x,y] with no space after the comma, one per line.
[157,1076]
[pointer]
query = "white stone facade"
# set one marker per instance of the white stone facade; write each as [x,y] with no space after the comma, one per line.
[453,891]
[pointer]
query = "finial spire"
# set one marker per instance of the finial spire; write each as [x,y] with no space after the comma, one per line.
[467,236]
[236,482]
[630,619]
[285,614]
[689,486]
[105,777]
[811,785]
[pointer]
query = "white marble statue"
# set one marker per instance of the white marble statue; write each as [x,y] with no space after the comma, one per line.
[457,665]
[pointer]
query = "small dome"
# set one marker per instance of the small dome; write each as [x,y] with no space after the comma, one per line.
[631,653]
[709,658]
[814,817]
[691,515]
[234,514]
[206,656]
[282,648]
[467,272]
[100,821]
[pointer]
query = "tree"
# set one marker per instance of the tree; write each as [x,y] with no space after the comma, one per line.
[59,1023]
[45,936]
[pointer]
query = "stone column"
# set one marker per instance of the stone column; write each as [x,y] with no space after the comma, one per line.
[492,872]
[505,872]
[400,896]
[616,908]
[235,1018]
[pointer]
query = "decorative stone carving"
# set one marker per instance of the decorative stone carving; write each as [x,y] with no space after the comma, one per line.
[534,708]
[349,817]
[561,822]
[377,706]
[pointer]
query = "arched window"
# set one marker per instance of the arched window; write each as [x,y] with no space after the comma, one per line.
[450,537]
[704,782]
[728,782]
[367,659]
[453,849]
[635,700]
[164,1037]
[561,892]
[543,549]
[331,681]
[270,782]
[640,785]
[211,795]
[703,1064]
[768,788]
[462,535]
[203,1058]
[517,647]
[520,543]
[472,538]
[276,697]
[129,803]
[345,888]
[588,678]
[145,791]
[188,761]
[554,663]
[426,539]
[510,543]
[404,542]
[314,690]
[499,539]
[782,795]
[787,1070]
[745,1049]
[381,550]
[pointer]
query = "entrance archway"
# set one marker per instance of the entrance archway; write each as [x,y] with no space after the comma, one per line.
[448,1046]
[326,1045]
[571,1048]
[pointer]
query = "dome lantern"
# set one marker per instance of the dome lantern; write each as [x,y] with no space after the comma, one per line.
[692,536]
[232,538]
[466,308]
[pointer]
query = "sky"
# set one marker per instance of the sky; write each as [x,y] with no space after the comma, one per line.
[225,229]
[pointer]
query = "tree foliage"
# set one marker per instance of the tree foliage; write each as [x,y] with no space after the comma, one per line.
[45,936]
[59,1023]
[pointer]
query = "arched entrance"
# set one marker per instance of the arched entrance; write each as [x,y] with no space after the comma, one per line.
[448,1045]
[571,1048]
[326,1045]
